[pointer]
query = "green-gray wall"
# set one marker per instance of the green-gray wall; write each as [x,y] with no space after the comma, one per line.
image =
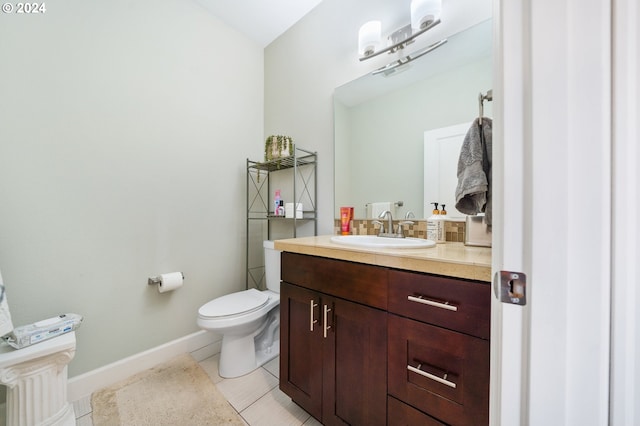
[124,129]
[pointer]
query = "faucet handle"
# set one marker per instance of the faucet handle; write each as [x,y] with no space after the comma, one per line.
[377,222]
[404,222]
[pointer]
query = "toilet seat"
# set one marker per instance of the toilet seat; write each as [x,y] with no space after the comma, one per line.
[242,302]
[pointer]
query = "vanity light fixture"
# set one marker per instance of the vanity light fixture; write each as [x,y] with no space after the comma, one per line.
[425,14]
[395,65]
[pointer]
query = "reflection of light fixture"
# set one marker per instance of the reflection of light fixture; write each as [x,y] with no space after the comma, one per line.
[425,14]
[394,66]
[369,37]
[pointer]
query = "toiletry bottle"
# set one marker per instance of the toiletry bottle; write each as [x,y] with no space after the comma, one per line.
[276,202]
[435,226]
[345,220]
[432,224]
[442,236]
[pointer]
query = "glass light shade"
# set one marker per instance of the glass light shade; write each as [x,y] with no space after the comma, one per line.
[423,12]
[369,37]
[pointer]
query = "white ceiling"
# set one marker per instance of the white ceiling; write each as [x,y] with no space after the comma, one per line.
[262,21]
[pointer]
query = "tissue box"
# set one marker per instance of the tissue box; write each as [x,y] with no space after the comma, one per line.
[288,210]
[477,233]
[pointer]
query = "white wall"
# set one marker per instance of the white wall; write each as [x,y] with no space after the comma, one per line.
[124,129]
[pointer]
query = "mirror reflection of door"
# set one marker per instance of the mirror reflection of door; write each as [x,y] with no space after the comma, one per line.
[441,153]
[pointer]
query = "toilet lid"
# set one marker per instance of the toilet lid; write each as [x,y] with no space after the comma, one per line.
[234,303]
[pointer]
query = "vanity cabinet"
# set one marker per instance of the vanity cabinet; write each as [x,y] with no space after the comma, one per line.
[333,339]
[371,345]
[438,349]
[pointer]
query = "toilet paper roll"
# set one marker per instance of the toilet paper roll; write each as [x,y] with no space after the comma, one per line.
[170,281]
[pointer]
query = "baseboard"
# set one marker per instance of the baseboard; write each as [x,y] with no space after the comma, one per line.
[201,344]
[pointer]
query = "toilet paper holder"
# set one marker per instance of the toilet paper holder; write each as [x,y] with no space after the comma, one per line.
[158,280]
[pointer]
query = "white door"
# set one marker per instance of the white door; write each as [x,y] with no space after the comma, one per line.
[441,151]
[552,220]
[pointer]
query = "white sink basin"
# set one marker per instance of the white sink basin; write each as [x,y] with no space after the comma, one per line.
[373,241]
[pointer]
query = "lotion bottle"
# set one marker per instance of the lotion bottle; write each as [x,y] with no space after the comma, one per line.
[433,224]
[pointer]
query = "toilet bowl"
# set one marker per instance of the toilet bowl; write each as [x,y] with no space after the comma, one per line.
[249,322]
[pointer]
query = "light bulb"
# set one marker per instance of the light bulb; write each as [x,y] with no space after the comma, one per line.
[369,37]
[424,12]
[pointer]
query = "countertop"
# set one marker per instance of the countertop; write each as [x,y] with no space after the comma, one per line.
[448,259]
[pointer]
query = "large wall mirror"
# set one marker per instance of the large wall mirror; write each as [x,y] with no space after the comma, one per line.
[380,122]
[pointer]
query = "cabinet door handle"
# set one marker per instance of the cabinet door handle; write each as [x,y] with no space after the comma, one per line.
[441,305]
[326,326]
[431,376]
[312,320]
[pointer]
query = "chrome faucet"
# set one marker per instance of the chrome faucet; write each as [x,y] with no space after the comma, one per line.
[390,232]
[387,214]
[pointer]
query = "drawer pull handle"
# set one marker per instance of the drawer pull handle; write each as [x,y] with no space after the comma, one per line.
[431,376]
[441,305]
[312,320]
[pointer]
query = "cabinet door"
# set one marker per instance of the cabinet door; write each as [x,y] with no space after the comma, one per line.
[354,368]
[301,347]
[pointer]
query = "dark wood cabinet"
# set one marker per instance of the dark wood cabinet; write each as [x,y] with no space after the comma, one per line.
[438,371]
[301,348]
[333,351]
[438,346]
[369,345]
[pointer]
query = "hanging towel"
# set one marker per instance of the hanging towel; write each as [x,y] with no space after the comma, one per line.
[473,193]
[374,209]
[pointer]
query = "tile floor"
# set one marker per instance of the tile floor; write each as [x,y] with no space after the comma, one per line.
[255,396]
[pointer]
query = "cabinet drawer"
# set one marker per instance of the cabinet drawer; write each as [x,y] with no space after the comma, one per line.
[463,306]
[440,372]
[352,281]
[356,282]
[297,269]
[401,414]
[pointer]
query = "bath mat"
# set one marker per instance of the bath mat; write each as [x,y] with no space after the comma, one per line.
[178,392]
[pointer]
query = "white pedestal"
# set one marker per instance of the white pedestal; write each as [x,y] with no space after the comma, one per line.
[36,378]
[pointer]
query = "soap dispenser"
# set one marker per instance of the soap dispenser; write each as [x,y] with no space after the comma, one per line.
[435,226]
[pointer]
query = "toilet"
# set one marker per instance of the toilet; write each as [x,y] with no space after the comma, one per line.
[249,322]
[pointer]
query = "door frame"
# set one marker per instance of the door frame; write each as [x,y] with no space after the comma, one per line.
[625,352]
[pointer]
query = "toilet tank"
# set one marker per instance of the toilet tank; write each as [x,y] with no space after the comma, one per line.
[272,266]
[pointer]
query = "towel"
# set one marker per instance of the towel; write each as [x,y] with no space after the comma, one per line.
[473,193]
[374,209]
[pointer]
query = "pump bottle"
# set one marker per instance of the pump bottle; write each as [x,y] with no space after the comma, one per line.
[435,225]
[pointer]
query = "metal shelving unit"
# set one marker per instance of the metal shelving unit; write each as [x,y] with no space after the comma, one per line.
[296,177]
